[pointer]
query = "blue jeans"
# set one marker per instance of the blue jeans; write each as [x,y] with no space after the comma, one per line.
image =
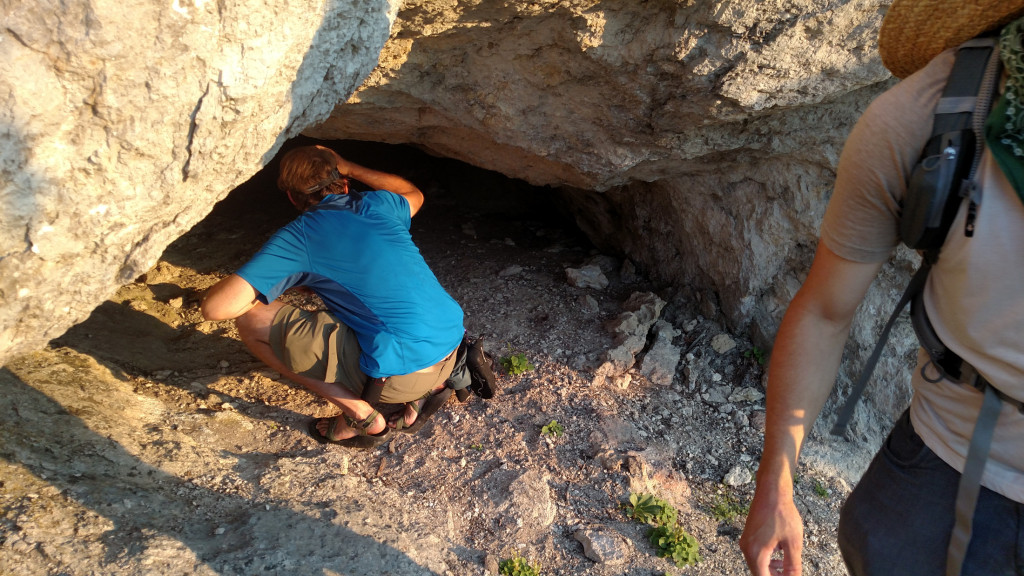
[898,519]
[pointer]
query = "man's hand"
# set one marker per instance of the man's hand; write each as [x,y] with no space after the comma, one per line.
[773,524]
[382,181]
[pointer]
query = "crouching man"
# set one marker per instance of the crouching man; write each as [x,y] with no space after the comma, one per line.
[385,345]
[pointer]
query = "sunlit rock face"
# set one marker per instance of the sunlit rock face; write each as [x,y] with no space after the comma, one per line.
[124,122]
[594,94]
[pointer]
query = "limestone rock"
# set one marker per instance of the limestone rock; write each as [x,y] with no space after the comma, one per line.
[123,127]
[603,545]
[522,505]
[589,304]
[738,476]
[630,329]
[659,364]
[717,395]
[723,343]
[746,395]
[511,270]
[646,306]
[589,276]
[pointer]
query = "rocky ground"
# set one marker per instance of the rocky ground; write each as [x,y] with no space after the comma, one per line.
[147,441]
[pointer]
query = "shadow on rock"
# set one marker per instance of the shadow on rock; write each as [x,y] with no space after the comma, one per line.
[141,518]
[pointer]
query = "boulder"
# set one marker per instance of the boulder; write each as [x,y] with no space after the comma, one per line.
[123,124]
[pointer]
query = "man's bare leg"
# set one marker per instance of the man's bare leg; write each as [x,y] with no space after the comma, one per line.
[254,330]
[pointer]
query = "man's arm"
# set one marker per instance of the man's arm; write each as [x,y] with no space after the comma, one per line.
[383,181]
[803,367]
[229,298]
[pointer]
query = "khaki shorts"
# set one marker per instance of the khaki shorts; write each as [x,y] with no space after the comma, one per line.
[318,346]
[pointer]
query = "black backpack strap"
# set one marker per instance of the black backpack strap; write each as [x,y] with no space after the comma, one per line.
[963,89]
[945,174]
[975,81]
[969,486]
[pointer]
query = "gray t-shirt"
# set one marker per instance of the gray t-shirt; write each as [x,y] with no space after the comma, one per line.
[975,293]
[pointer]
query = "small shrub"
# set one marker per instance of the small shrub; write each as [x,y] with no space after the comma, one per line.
[674,543]
[727,507]
[516,364]
[820,489]
[650,509]
[518,566]
[553,429]
[665,534]
[756,354]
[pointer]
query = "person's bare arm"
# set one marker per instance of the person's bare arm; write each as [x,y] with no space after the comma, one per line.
[383,181]
[801,374]
[229,298]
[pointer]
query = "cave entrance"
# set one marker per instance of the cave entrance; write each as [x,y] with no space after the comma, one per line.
[492,241]
[499,246]
[462,203]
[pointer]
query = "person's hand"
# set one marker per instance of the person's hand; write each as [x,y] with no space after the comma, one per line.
[773,524]
[345,167]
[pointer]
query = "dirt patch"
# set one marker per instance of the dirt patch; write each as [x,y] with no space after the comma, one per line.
[147,441]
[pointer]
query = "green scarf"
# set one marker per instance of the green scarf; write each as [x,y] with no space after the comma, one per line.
[1004,128]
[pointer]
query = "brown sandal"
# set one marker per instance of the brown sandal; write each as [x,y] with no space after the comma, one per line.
[362,440]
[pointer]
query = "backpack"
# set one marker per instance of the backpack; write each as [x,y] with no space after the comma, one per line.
[473,371]
[943,178]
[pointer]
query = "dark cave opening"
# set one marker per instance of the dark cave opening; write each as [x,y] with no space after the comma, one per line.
[459,199]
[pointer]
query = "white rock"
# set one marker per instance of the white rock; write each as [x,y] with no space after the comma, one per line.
[746,394]
[723,343]
[603,545]
[511,270]
[738,476]
[587,277]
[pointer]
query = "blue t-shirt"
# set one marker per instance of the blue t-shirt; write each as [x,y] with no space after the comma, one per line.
[356,253]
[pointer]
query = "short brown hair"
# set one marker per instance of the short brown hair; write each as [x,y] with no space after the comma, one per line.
[308,174]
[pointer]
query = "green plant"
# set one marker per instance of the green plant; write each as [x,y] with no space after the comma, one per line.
[665,534]
[553,429]
[650,509]
[727,506]
[820,489]
[477,447]
[756,354]
[518,566]
[673,542]
[516,364]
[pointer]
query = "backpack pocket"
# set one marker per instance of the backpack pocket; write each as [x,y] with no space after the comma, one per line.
[933,192]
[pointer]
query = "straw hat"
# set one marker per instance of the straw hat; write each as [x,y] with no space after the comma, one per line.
[915,31]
